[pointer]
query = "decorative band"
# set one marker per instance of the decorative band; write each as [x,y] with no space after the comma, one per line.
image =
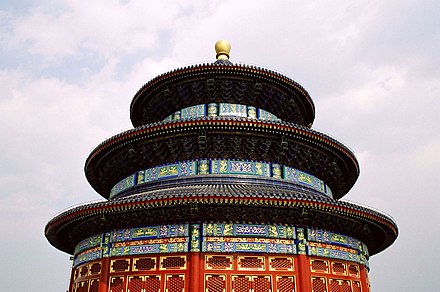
[221,238]
[221,166]
[222,109]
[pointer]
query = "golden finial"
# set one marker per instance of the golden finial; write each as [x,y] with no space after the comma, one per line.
[222,48]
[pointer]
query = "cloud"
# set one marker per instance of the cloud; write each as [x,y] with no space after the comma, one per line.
[69,70]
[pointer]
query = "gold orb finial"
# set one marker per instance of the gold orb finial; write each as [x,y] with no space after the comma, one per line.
[222,48]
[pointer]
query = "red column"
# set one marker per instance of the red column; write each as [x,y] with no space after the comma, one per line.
[364,279]
[195,282]
[304,276]
[104,276]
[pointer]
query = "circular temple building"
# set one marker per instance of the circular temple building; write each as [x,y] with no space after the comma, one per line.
[221,185]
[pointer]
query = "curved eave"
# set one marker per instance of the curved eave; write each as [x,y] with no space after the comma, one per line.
[375,229]
[124,141]
[153,89]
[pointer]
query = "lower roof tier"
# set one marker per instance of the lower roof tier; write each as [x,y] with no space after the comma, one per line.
[165,143]
[223,202]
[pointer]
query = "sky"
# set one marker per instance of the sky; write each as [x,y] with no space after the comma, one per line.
[69,70]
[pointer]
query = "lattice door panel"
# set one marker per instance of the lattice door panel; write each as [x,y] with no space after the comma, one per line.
[175,283]
[215,283]
[319,284]
[337,285]
[241,283]
[261,284]
[357,286]
[285,284]
[117,284]
[94,285]
[82,286]
[135,284]
[152,283]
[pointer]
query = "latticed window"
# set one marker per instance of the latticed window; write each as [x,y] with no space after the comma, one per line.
[218,262]
[319,266]
[319,285]
[84,271]
[215,283]
[338,268]
[281,264]
[353,270]
[95,268]
[251,263]
[173,262]
[120,265]
[144,264]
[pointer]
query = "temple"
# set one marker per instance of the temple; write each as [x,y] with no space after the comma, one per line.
[222,185]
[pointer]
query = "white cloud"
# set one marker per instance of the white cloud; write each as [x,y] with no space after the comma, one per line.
[369,65]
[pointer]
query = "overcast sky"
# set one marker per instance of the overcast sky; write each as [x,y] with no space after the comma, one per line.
[69,69]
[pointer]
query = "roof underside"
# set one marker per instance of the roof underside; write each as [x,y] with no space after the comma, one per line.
[223,203]
[237,84]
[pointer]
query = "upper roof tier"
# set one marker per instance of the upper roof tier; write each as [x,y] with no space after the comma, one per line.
[222,81]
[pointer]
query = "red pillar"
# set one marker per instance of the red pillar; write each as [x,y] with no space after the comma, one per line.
[364,279]
[195,282]
[304,276]
[104,276]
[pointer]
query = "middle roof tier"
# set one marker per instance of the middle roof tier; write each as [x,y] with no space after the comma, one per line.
[218,137]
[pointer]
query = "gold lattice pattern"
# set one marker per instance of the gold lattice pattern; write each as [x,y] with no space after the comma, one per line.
[218,262]
[82,286]
[285,284]
[152,284]
[135,284]
[173,262]
[84,271]
[337,285]
[339,268]
[318,285]
[319,266]
[144,264]
[357,286]
[215,283]
[120,265]
[175,283]
[353,270]
[95,268]
[281,264]
[241,284]
[262,284]
[94,285]
[248,263]
[116,284]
